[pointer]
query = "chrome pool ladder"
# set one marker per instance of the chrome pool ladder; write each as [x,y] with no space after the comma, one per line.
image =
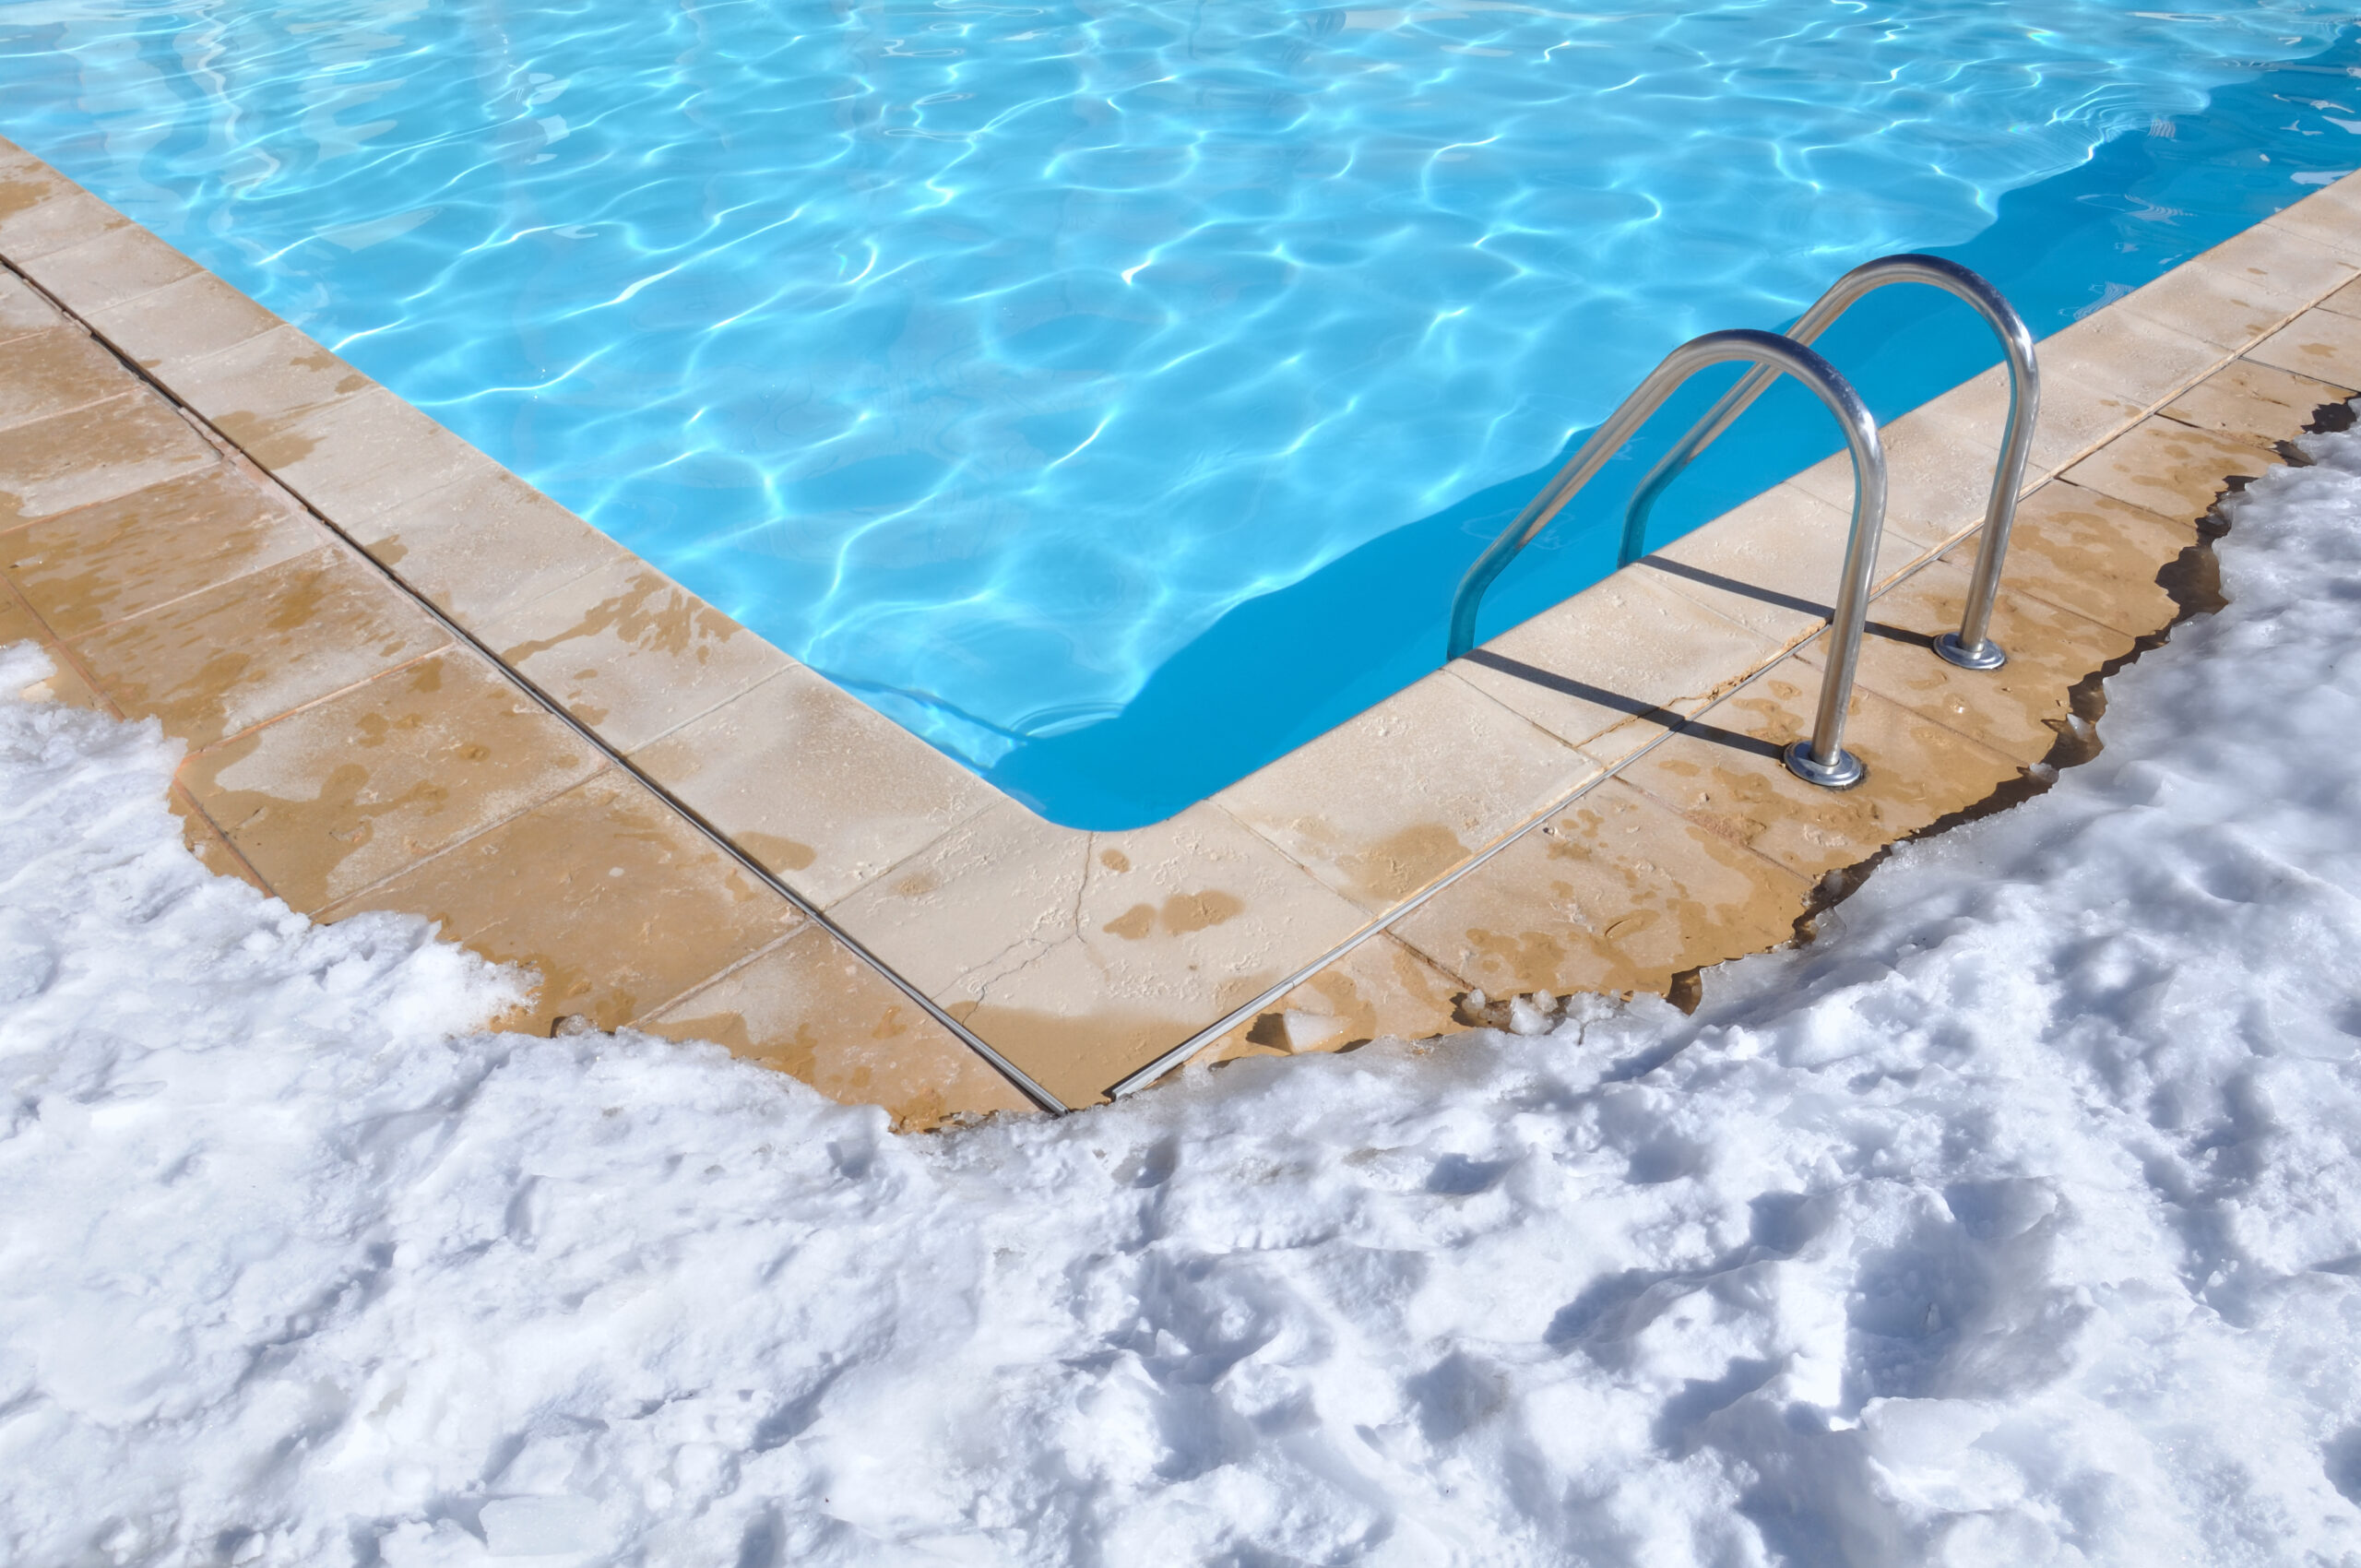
[1823,758]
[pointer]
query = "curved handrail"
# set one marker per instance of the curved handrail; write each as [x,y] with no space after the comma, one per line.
[1972,646]
[1822,759]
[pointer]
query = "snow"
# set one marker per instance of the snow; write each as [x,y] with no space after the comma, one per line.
[2017,1220]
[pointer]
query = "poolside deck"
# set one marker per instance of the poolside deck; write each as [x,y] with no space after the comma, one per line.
[410,681]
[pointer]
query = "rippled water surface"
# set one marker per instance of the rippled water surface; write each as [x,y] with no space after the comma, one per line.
[1113,392]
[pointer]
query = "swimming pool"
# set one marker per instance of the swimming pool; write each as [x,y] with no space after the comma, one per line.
[1114,395]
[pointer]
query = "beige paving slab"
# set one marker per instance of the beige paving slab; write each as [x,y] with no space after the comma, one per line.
[1082,956]
[2346,301]
[1626,646]
[2128,356]
[2169,468]
[2272,264]
[2078,415]
[2321,344]
[94,454]
[50,372]
[2254,402]
[825,792]
[22,311]
[811,1009]
[346,793]
[2094,555]
[485,546]
[198,316]
[124,557]
[1390,800]
[365,454]
[2330,216]
[1938,475]
[2224,302]
[610,895]
[121,264]
[631,653]
[18,624]
[1724,773]
[1772,565]
[43,213]
[2017,710]
[257,646]
[266,385]
[1616,894]
[1382,988]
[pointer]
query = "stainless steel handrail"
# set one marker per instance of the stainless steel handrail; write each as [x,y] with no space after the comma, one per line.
[1822,759]
[1971,646]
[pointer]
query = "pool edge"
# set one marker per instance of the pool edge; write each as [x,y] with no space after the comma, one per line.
[1087,956]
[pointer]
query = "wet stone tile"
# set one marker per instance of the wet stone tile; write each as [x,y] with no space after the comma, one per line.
[94,454]
[1083,956]
[64,683]
[43,213]
[2094,555]
[22,311]
[362,454]
[2269,263]
[1396,797]
[2170,468]
[811,1009]
[2077,416]
[345,792]
[204,841]
[608,895]
[2323,344]
[484,546]
[1939,462]
[2219,300]
[823,789]
[1382,989]
[1616,894]
[2129,355]
[1724,773]
[122,557]
[198,316]
[2017,710]
[122,263]
[50,372]
[251,649]
[631,653]
[1771,564]
[2254,402]
[1629,647]
[266,384]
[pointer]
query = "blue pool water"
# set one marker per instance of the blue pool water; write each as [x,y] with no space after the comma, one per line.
[1114,393]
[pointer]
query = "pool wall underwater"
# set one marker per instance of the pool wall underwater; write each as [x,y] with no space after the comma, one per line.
[1283,666]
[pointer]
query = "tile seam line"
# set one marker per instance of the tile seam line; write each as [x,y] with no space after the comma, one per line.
[1022,1081]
